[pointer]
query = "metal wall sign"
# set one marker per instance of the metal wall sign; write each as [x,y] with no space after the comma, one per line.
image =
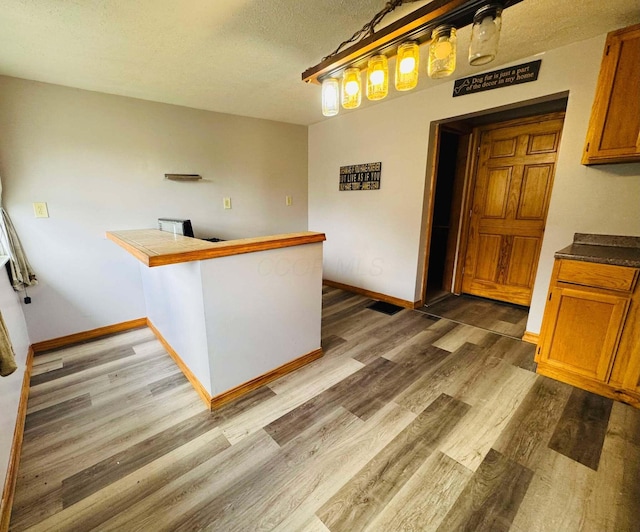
[360,176]
[497,79]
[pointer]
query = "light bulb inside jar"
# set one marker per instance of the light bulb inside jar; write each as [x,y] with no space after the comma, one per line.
[352,88]
[377,77]
[442,50]
[407,65]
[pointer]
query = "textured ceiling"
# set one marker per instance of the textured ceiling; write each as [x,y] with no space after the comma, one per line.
[242,57]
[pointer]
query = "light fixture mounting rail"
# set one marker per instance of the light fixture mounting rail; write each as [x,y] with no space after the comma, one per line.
[416,26]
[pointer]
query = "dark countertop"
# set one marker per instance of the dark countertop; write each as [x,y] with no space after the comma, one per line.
[603,249]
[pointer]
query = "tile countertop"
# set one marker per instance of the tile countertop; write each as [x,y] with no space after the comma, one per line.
[604,249]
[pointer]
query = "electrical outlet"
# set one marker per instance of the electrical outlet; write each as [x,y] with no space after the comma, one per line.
[40,210]
[288,201]
[226,202]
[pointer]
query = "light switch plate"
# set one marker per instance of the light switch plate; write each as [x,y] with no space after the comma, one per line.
[40,210]
[288,201]
[226,202]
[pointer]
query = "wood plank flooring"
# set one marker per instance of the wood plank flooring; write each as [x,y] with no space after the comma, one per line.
[410,422]
[496,316]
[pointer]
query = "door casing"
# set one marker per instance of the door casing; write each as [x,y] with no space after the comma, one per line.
[467,196]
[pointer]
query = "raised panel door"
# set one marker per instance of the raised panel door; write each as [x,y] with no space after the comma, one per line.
[511,191]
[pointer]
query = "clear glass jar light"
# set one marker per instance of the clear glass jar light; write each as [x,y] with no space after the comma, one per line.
[377,77]
[485,34]
[330,97]
[351,88]
[407,62]
[442,52]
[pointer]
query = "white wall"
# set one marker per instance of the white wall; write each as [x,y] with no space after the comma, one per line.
[373,237]
[99,162]
[174,304]
[10,387]
[262,310]
[232,319]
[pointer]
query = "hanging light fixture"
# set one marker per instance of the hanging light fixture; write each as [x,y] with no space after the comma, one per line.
[434,24]
[407,62]
[485,34]
[377,77]
[442,52]
[351,88]
[330,97]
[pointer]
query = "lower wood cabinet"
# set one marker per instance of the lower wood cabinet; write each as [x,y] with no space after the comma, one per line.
[589,335]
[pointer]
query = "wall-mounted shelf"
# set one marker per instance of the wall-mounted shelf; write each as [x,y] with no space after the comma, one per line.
[183,177]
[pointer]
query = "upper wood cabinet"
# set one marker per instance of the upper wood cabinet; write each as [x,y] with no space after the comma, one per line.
[614,128]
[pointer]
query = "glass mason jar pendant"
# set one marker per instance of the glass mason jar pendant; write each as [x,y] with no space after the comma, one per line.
[407,62]
[377,77]
[485,34]
[442,52]
[351,88]
[330,97]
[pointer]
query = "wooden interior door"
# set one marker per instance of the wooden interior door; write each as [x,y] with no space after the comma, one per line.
[511,190]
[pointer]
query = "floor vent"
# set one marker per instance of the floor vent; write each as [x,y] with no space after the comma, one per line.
[385,308]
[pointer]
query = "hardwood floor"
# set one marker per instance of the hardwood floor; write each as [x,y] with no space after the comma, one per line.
[408,423]
[496,316]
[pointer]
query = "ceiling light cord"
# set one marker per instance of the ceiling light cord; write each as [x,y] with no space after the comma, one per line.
[369,27]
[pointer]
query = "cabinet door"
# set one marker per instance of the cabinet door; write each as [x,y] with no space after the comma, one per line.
[614,128]
[582,330]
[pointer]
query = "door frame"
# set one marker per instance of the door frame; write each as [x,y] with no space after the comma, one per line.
[465,210]
[468,189]
[432,198]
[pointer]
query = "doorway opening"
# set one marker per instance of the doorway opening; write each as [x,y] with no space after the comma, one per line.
[448,213]
[452,156]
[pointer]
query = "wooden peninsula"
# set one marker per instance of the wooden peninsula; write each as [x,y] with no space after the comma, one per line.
[233,315]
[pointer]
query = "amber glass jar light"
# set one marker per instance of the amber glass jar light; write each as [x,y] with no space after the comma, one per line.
[407,62]
[377,77]
[442,52]
[351,88]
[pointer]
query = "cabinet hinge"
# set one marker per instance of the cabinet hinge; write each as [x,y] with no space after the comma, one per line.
[538,350]
[607,52]
[550,296]
[587,148]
